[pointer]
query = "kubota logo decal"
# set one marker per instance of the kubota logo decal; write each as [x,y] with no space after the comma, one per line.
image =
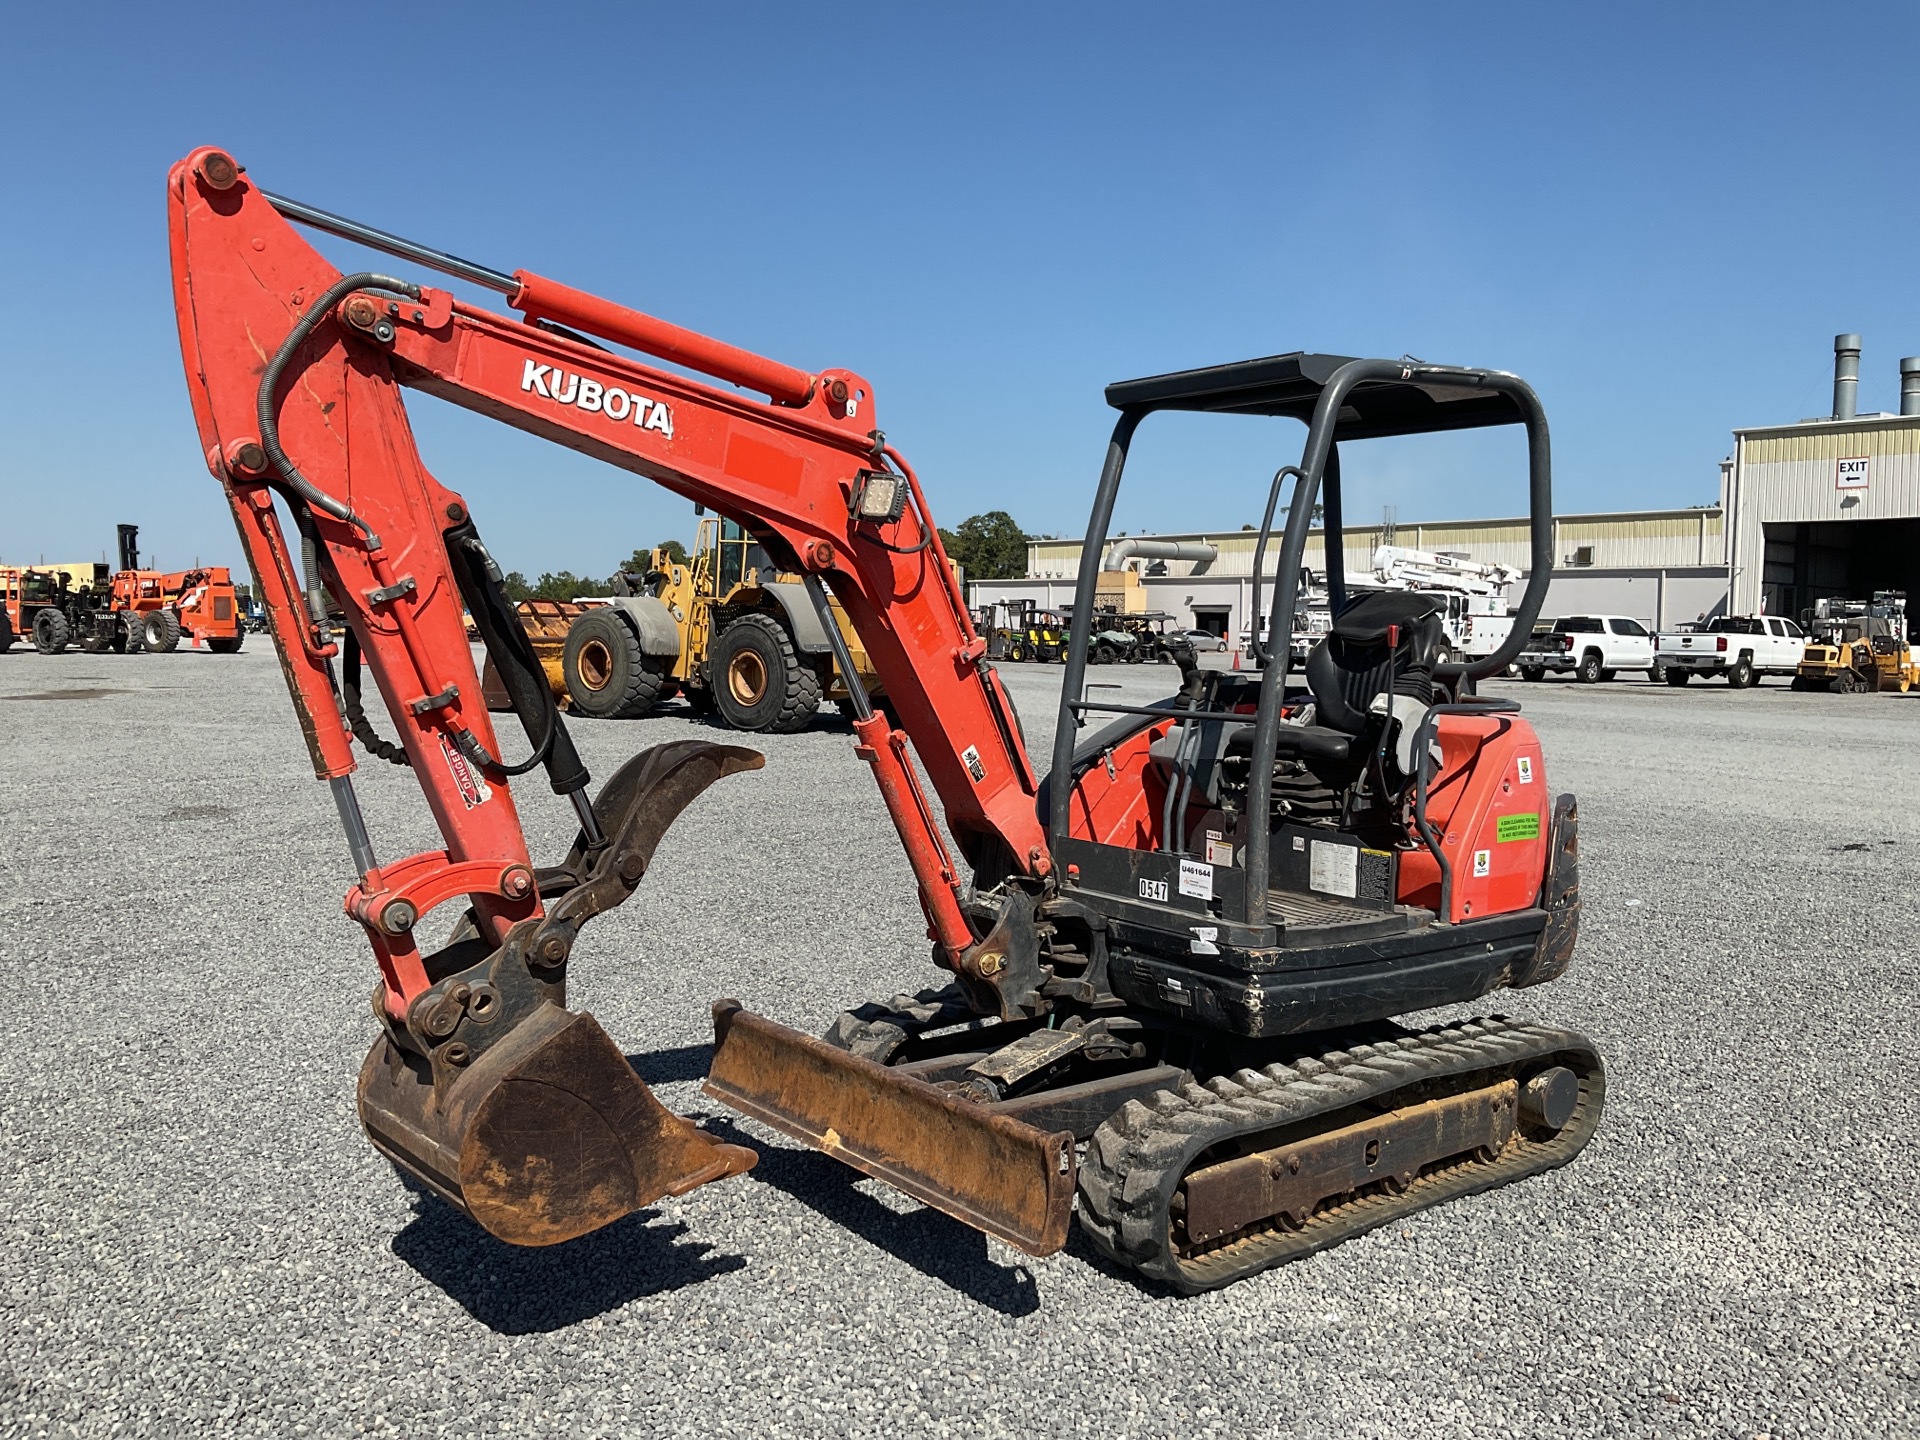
[595,398]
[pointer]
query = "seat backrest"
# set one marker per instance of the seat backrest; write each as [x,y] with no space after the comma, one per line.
[1382,642]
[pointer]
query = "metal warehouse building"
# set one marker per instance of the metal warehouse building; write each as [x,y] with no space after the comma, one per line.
[1818,508]
[1829,507]
[1660,566]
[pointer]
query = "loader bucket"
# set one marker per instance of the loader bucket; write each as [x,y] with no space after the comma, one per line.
[991,1171]
[546,1136]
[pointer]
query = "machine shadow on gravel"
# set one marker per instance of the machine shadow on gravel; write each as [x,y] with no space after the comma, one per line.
[514,1290]
[683,1063]
[936,1245]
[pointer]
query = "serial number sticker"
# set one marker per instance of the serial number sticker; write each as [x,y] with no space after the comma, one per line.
[1334,869]
[1153,890]
[1482,864]
[1518,827]
[1526,769]
[1196,879]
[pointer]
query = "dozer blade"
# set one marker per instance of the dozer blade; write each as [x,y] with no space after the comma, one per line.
[546,1136]
[991,1171]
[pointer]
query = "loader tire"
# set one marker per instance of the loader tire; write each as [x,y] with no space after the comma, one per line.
[135,640]
[760,682]
[51,633]
[7,636]
[608,675]
[227,644]
[161,632]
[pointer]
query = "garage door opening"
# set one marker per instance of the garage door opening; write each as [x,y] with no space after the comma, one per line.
[1210,618]
[1839,560]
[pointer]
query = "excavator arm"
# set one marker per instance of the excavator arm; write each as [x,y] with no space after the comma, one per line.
[483,1085]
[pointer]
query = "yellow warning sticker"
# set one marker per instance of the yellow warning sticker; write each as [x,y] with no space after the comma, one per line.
[1518,827]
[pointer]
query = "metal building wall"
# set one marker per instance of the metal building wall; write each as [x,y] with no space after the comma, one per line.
[1789,475]
[1630,540]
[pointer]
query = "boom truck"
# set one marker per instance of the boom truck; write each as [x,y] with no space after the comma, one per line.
[1173,963]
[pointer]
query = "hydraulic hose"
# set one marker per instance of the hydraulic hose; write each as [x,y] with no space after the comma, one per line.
[290,474]
[362,728]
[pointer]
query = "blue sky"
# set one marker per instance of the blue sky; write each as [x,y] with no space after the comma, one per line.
[1659,214]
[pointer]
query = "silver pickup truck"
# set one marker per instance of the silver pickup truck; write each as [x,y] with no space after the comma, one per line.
[1743,648]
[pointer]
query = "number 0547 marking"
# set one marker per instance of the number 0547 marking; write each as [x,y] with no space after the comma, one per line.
[1153,890]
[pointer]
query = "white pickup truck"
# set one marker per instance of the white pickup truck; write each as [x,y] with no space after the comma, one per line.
[1593,647]
[1741,647]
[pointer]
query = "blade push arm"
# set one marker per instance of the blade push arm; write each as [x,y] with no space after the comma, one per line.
[793,469]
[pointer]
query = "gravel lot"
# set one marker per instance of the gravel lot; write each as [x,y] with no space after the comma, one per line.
[194,1234]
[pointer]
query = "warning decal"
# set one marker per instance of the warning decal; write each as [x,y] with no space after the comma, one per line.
[473,790]
[1518,827]
[1334,869]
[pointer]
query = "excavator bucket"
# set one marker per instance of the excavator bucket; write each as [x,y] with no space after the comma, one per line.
[548,1136]
[991,1171]
[517,1110]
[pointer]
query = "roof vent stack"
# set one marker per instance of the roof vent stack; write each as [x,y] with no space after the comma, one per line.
[1910,385]
[1846,376]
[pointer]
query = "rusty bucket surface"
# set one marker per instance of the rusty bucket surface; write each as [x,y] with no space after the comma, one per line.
[991,1171]
[546,1136]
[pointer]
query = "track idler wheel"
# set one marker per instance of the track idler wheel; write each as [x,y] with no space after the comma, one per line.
[513,1108]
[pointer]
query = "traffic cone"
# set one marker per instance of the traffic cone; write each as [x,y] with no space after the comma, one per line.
[1236,657]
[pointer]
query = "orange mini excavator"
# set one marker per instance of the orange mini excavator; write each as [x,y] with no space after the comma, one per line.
[1173,965]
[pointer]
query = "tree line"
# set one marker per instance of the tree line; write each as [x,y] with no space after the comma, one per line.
[565,585]
[986,547]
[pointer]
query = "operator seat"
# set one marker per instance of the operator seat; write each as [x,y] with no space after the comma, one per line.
[1384,643]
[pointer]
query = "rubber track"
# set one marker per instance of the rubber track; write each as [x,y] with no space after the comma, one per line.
[1136,1160]
[878,1028]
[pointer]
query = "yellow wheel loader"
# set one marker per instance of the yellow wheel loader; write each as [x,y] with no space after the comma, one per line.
[726,628]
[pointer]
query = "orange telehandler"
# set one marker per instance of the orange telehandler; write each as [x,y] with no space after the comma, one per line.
[159,608]
[1174,962]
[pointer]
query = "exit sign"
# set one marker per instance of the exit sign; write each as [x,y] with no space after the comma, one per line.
[1851,473]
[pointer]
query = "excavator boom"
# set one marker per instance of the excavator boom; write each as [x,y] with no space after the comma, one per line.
[482,1085]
